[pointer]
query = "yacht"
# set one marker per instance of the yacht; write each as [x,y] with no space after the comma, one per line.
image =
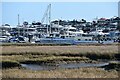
[69,36]
[4,33]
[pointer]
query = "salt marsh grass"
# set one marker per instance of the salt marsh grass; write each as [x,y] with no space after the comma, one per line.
[16,54]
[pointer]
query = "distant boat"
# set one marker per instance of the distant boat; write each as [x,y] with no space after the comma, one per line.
[17,40]
[3,39]
[56,38]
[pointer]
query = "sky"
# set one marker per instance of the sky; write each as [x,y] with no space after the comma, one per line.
[59,0]
[34,11]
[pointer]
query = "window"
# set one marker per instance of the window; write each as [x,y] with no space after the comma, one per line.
[20,38]
[51,34]
[63,37]
[57,35]
[89,39]
[72,30]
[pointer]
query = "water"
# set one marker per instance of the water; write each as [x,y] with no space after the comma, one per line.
[62,66]
[81,65]
[37,67]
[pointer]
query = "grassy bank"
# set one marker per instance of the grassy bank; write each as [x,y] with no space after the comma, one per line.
[61,73]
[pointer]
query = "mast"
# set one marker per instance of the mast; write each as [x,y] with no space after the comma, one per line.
[50,17]
[18,25]
[18,20]
[47,16]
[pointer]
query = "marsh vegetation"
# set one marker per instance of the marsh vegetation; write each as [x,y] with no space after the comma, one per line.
[14,56]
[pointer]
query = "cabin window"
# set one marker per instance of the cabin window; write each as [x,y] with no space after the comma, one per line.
[57,35]
[79,35]
[51,34]
[21,39]
[63,37]
[79,39]
[85,39]
[89,39]
[72,30]
[70,34]
[73,36]
[87,35]
[31,30]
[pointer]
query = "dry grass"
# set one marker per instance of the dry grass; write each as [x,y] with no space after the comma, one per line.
[61,73]
[61,49]
[39,53]
[92,51]
[20,58]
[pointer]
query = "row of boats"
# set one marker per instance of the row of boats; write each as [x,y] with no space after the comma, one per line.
[70,36]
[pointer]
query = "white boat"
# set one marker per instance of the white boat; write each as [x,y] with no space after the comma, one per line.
[71,36]
[3,39]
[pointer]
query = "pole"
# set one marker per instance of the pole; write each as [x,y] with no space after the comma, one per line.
[50,17]
[18,20]
[18,26]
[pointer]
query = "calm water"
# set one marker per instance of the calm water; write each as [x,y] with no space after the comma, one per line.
[63,66]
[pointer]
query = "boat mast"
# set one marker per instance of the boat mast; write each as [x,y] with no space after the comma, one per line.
[47,16]
[50,17]
[18,20]
[18,25]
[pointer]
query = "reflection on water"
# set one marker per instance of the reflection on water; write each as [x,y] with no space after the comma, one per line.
[62,66]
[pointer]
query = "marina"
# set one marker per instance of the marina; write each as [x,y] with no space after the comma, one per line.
[102,30]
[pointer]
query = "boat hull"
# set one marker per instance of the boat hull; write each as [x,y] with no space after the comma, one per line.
[63,41]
